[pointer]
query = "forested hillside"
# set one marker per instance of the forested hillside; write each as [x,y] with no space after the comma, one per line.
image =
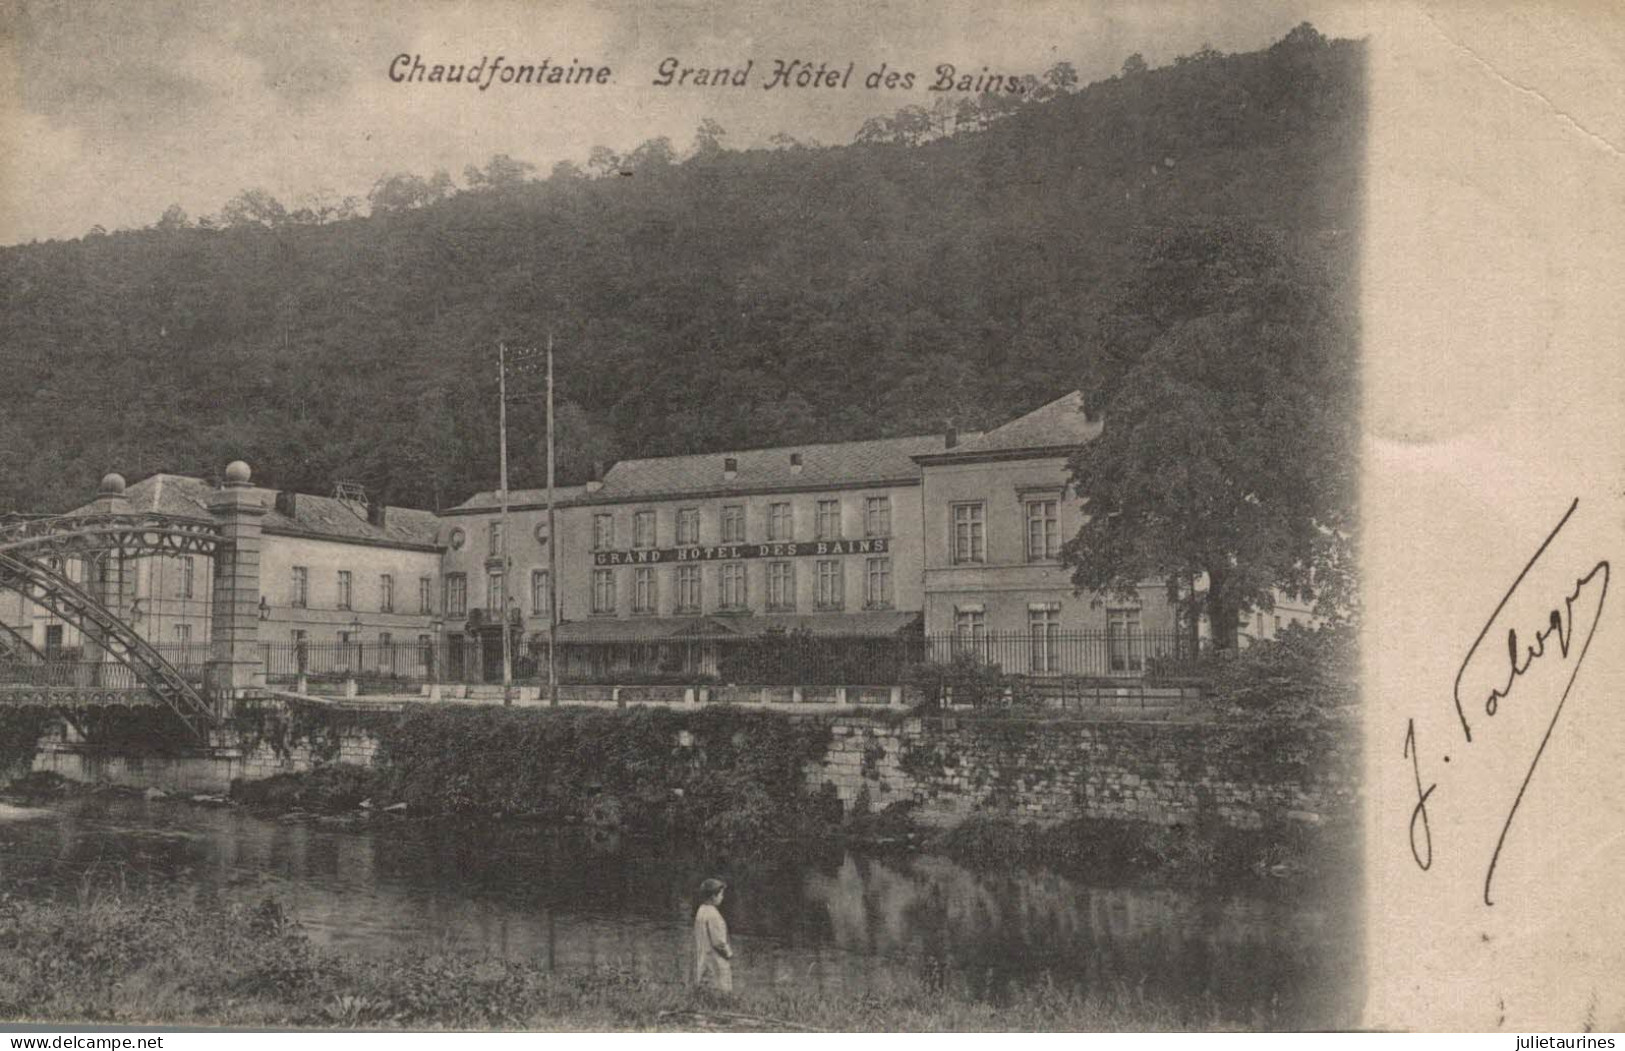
[935,272]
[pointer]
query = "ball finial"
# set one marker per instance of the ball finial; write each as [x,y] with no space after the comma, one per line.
[112,484]
[237,473]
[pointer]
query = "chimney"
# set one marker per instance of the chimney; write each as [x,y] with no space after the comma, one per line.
[286,503]
[596,482]
[795,463]
[377,514]
[950,439]
[730,468]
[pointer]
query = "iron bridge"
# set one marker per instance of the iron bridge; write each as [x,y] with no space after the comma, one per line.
[32,552]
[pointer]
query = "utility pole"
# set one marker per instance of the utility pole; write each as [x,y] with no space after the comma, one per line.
[552,554]
[502,598]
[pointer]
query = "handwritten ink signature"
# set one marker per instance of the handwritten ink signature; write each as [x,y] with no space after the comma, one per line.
[1559,622]
[1424,853]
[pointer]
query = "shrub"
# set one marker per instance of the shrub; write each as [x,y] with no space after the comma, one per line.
[329,788]
[799,658]
[1303,671]
[20,730]
[742,779]
[967,679]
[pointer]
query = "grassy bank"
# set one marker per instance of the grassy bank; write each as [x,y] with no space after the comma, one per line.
[143,958]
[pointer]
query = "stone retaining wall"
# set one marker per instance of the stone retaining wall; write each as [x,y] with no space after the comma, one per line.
[949,768]
[1050,771]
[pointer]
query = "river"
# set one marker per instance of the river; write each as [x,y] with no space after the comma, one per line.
[843,923]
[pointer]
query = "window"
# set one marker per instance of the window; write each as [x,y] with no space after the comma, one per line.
[1277,625]
[970,533]
[425,595]
[426,652]
[732,586]
[643,529]
[970,631]
[877,516]
[1043,531]
[829,520]
[1044,631]
[688,588]
[496,538]
[644,597]
[603,591]
[301,588]
[780,526]
[301,649]
[345,595]
[733,524]
[188,577]
[183,633]
[494,597]
[541,592]
[688,525]
[386,593]
[386,652]
[603,532]
[831,589]
[877,583]
[456,602]
[781,585]
[1125,646]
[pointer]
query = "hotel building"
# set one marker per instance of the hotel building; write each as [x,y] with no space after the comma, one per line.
[958,541]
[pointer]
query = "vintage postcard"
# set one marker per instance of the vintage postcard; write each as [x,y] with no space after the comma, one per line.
[721,517]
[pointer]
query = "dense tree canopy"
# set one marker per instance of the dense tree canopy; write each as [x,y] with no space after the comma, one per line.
[959,273]
[1226,376]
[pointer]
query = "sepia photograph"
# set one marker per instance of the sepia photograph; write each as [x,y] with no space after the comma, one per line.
[696,518]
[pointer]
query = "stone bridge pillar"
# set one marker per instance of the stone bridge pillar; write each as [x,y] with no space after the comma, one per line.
[103,577]
[235,662]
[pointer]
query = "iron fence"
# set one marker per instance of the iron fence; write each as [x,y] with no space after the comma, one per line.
[189,658]
[1084,654]
[414,662]
[770,659]
[105,675]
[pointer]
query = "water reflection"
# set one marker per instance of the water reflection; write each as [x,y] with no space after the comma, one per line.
[843,924]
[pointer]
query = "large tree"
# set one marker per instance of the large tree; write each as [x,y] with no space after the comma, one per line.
[1224,374]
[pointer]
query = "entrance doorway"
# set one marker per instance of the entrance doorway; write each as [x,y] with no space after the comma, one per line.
[454,657]
[491,655]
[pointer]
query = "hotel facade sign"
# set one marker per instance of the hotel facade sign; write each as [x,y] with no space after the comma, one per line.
[735,552]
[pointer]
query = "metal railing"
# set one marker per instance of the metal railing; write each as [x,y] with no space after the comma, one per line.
[771,659]
[189,658]
[1085,654]
[104,675]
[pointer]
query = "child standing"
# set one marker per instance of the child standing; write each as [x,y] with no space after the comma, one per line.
[712,953]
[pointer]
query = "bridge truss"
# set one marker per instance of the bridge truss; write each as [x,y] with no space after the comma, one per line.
[32,549]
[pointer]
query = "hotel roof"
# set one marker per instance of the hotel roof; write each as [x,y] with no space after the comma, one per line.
[824,466]
[527,498]
[1057,426]
[830,465]
[318,517]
